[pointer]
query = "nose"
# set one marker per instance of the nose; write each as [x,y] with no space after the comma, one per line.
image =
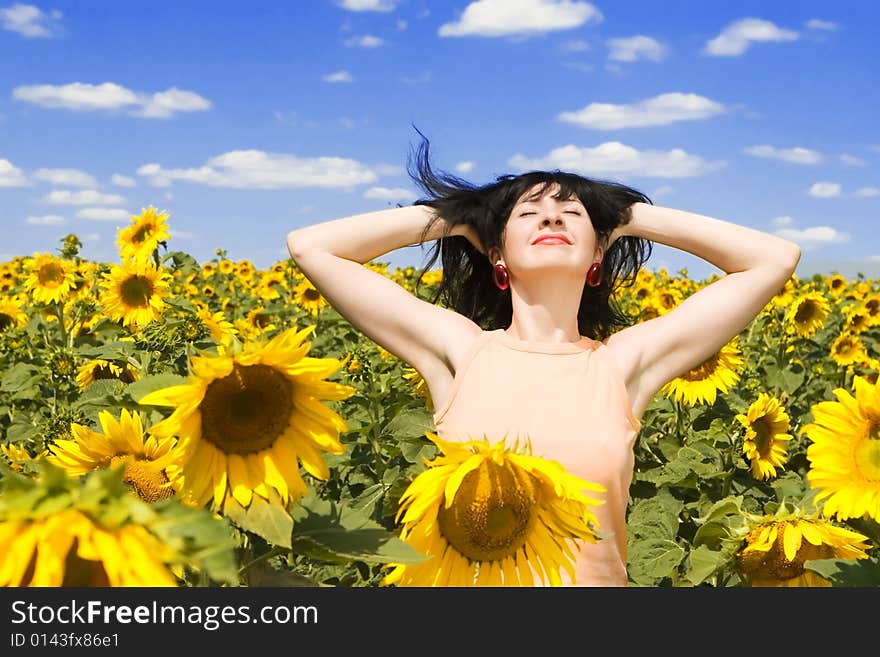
[553,216]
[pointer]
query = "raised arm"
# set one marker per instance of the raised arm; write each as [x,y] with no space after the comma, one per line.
[331,255]
[758,265]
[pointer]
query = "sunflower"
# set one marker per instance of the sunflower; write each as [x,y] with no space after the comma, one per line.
[71,549]
[871,304]
[11,313]
[777,547]
[766,441]
[248,419]
[49,279]
[807,314]
[857,320]
[17,454]
[848,349]
[221,329]
[99,368]
[785,295]
[420,388]
[307,297]
[138,240]
[836,284]
[489,515]
[148,462]
[134,292]
[844,454]
[700,384]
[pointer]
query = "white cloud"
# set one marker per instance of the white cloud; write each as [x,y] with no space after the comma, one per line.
[736,38]
[634,48]
[254,169]
[824,190]
[366,41]
[852,161]
[579,66]
[387,193]
[495,18]
[782,221]
[809,238]
[83,97]
[181,234]
[816,24]
[66,177]
[84,197]
[29,21]
[662,190]
[464,167]
[421,78]
[339,76]
[103,214]
[122,181]
[400,24]
[575,46]
[46,220]
[166,103]
[346,122]
[868,192]
[367,5]
[793,155]
[615,159]
[660,110]
[12,176]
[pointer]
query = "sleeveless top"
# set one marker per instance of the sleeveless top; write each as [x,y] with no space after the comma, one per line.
[571,400]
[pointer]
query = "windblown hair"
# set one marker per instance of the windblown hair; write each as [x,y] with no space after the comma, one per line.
[468,285]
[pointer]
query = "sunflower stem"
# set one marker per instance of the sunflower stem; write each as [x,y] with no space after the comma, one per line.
[274,552]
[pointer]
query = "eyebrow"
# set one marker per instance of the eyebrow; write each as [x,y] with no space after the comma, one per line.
[568,201]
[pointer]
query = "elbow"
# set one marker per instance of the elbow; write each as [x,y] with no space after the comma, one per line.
[295,244]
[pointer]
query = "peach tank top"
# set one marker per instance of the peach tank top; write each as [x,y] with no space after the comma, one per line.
[571,401]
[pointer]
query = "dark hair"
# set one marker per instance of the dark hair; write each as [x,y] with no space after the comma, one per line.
[467,284]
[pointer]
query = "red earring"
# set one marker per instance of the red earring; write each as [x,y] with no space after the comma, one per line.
[499,271]
[594,274]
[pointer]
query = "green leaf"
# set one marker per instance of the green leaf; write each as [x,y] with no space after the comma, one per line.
[656,516]
[412,423]
[653,559]
[847,572]
[19,376]
[141,388]
[270,521]
[702,563]
[101,393]
[338,534]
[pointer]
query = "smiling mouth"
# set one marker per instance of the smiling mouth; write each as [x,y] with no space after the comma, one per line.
[551,240]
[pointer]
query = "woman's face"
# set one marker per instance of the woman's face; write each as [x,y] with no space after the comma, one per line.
[531,220]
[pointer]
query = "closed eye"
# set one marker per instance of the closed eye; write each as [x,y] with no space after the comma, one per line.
[523,214]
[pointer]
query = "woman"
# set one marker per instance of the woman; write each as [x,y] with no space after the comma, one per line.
[530,343]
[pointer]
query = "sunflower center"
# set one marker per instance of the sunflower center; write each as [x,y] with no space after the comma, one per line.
[83,572]
[136,291]
[805,312]
[248,410]
[763,435]
[702,371]
[772,565]
[105,372]
[145,480]
[5,321]
[142,234]
[312,295]
[867,454]
[492,511]
[51,275]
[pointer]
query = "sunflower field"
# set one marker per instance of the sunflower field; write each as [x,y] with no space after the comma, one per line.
[166,422]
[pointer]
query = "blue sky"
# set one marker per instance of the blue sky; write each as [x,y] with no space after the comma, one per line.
[246,120]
